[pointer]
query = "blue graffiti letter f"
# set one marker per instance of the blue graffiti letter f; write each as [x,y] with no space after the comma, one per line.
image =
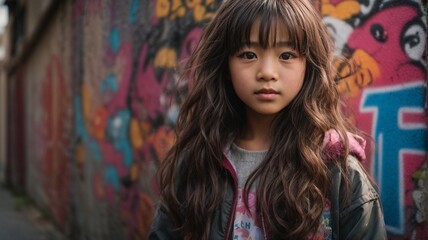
[393,138]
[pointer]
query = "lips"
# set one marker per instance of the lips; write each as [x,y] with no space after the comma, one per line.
[266,91]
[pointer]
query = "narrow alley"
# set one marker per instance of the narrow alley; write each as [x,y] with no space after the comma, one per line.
[19,220]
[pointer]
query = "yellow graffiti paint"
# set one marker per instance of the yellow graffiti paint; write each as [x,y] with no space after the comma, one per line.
[135,171]
[166,58]
[200,14]
[178,9]
[193,3]
[342,10]
[162,8]
[365,70]
[173,9]
[136,134]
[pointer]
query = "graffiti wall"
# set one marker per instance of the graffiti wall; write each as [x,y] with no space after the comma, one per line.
[101,101]
[386,42]
[125,105]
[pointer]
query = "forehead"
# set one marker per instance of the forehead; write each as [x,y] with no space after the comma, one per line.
[272,33]
[264,27]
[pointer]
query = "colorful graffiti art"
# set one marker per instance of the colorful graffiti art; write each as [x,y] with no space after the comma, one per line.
[127,100]
[386,96]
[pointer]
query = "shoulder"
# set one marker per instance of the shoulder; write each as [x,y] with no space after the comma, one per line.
[356,208]
[361,186]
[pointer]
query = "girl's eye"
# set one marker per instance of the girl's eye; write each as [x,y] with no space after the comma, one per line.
[287,56]
[248,55]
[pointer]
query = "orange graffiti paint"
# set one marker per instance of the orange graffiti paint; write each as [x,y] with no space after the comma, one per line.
[365,70]
[166,58]
[136,134]
[99,123]
[342,10]
[144,214]
[162,8]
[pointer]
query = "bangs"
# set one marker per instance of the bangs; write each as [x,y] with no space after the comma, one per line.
[271,17]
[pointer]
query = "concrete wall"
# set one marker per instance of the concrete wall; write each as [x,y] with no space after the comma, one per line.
[48,124]
[3,91]
[99,108]
[3,104]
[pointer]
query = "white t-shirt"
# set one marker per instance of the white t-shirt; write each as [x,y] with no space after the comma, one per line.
[246,223]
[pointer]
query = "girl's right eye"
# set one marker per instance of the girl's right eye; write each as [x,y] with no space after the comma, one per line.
[247,55]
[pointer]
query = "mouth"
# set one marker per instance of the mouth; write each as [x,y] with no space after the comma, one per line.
[266,94]
[266,91]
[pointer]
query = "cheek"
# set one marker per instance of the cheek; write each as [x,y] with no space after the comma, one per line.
[238,87]
[296,83]
[241,88]
[301,77]
[239,80]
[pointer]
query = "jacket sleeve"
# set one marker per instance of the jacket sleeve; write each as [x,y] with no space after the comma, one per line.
[162,227]
[363,217]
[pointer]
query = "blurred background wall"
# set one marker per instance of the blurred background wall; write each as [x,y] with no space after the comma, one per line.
[89,101]
[3,89]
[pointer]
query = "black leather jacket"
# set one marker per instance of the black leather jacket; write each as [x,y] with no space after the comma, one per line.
[361,219]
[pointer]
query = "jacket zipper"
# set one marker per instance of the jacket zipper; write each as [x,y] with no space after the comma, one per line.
[231,171]
[232,213]
[230,223]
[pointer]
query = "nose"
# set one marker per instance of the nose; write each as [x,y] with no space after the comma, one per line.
[268,70]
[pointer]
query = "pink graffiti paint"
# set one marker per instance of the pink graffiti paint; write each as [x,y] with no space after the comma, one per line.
[189,45]
[394,65]
[123,68]
[335,2]
[149,88]
[380,37]
[113,157]
[190,42]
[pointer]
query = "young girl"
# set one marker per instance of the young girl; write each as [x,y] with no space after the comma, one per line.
[262,150]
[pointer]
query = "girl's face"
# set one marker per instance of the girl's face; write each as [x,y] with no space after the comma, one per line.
[267,79]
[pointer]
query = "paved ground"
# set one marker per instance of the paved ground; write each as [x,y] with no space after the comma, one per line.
[20,221]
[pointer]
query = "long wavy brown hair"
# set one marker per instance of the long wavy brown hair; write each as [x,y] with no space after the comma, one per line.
[293,179]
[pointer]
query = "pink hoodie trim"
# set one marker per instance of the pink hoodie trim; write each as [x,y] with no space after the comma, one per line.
[334,146]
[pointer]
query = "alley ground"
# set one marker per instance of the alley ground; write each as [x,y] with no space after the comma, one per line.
[19,220]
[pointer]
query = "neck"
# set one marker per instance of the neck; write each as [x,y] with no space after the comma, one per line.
[257,133]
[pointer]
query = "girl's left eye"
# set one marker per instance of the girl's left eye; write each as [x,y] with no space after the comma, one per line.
[287,56]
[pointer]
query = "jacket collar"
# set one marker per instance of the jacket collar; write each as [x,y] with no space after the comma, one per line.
[334,146]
